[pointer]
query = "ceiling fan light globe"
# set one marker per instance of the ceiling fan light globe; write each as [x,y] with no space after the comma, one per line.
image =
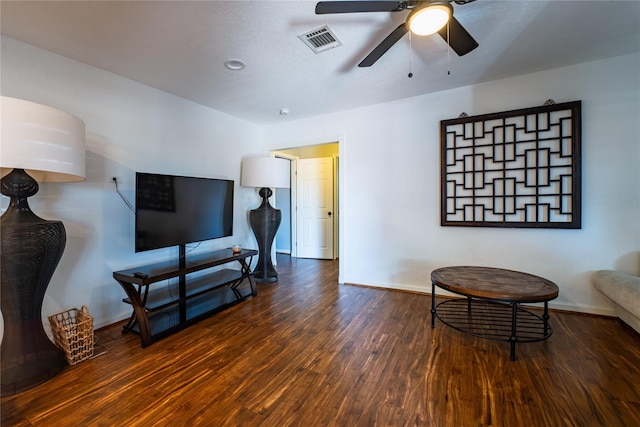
[429,19]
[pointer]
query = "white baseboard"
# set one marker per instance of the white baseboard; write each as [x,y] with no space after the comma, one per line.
[600,311]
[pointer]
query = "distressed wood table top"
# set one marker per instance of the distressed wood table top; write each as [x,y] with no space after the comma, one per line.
[494,283]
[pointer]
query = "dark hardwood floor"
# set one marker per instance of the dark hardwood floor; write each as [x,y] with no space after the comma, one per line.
[309,352]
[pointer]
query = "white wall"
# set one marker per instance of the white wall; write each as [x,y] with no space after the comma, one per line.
[390,184]
[389,177]
[130,127]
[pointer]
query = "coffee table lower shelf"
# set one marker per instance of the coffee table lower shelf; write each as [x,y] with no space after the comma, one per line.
[497,321]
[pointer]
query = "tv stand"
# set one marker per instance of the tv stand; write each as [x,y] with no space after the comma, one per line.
[157,313]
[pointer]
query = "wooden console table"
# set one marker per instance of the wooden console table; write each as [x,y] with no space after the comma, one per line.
[490,309]
[157,313]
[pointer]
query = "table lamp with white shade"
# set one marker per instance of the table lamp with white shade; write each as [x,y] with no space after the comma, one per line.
[39,144]
[265,173]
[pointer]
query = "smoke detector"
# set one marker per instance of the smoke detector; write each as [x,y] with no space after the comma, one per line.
[320,39]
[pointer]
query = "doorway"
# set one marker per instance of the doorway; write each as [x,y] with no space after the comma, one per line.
[310,209]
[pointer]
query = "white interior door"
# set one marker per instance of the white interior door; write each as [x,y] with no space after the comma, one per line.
[314,214]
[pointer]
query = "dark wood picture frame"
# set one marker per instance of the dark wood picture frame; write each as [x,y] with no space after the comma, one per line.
[513,169]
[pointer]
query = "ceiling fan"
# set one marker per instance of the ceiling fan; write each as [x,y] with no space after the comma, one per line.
[426,17]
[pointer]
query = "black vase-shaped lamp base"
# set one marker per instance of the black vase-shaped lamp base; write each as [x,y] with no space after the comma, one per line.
[31,248]
[265,221]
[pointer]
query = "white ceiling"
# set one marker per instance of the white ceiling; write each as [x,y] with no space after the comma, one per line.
[180,47]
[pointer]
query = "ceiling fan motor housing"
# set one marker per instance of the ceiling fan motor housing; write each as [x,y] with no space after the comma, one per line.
[429,17]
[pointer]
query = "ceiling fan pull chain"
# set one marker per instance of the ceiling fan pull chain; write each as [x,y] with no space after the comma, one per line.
[448,51]
[410,57]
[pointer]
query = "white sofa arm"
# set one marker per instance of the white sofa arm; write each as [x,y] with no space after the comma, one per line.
[624,290]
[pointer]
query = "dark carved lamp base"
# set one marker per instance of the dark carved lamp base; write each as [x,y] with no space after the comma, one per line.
[31,248]
[265,221]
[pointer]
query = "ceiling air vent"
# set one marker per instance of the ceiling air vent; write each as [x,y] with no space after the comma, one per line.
[320,39]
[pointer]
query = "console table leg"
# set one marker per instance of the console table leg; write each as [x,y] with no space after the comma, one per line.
[246,269]
[252,283]
[130,324]
[133,321]
[234,287]
[513,338]
[139,312]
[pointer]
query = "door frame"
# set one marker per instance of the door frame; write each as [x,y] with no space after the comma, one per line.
[292,194]
[339,200]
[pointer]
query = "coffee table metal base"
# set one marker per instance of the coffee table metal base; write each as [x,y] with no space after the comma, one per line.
[497,321]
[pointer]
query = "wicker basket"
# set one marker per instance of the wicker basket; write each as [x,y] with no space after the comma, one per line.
[73,333]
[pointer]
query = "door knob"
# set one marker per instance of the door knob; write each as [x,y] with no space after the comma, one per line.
[329,213]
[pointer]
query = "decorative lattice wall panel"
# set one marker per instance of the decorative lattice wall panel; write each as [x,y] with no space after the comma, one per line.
[516,168]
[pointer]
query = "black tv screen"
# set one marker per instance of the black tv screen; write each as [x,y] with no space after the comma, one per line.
[176,210]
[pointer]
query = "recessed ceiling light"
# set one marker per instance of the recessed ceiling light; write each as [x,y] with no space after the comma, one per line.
[234,65]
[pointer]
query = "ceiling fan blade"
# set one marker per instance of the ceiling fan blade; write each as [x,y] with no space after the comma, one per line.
[358,6]
[459,39]
[384,46]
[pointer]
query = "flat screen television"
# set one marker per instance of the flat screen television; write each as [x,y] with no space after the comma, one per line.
[176,210]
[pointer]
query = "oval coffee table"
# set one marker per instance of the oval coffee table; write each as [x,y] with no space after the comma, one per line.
[490,307]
